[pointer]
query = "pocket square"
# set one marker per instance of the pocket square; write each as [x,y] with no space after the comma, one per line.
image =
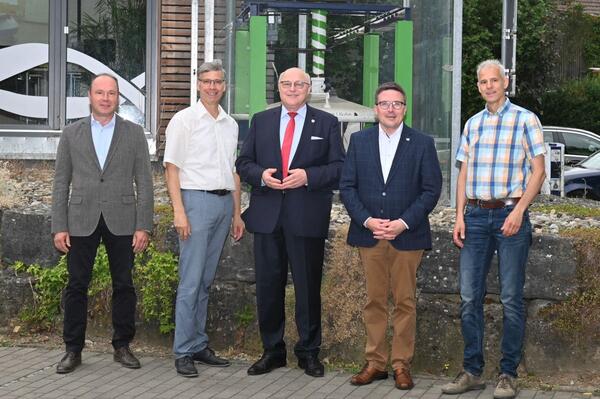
[316,138]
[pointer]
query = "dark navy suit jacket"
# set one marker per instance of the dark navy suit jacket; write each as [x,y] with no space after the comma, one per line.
[410,193]
[320,153]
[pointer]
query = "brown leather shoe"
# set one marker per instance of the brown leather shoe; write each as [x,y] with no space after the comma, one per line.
[367,375]
[403,379]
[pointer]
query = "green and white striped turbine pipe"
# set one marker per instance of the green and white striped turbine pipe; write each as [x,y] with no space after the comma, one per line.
[318,40]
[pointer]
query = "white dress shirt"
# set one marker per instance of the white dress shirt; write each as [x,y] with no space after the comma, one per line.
[102,137]
[204,148]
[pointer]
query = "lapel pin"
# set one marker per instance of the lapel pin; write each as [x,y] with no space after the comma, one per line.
[408,139]
[312,121]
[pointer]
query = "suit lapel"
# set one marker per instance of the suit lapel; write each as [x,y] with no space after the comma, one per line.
[117,133]
[276,121]
[373,143]
[89,142]
[403,146]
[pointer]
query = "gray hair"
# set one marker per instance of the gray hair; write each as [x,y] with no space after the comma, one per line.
[211,66]
[491,63]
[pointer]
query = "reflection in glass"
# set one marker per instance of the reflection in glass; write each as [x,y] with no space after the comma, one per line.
[107,36]
[23,79]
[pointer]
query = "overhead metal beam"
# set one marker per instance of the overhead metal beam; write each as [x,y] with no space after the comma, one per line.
[257,7]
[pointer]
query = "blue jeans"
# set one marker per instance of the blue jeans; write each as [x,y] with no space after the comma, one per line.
[210,218]
[483,237]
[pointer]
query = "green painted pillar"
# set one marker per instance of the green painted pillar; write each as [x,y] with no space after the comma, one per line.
[241,104]
[370,69]
[403,63]
[258,64]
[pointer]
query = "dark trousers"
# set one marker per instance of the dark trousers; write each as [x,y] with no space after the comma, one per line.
[272,252]
[80,261]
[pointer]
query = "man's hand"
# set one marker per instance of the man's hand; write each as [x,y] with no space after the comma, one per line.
[377,226]
[62,241]
[295,178]
[140,241]
[512,223]
[392,229]
[237,227]
[270,181]
[458,234]
[182,225]
[385,229]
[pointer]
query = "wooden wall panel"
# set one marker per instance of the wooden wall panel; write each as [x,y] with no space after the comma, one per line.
[175,47]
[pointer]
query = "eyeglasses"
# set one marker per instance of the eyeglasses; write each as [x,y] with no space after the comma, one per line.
[286,84]
[387,104]
[210,82]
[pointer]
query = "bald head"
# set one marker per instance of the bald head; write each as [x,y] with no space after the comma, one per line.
[294,87]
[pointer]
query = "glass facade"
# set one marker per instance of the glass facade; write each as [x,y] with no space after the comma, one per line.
[44,81]
[106,37]
[24,68]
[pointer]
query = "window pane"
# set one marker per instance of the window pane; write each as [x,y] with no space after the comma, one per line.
[23,80]
[577,144]
[107,36]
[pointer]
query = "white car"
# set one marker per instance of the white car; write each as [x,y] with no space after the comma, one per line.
[579,143]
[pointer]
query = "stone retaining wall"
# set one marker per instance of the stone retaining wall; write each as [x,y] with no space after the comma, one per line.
[551,277]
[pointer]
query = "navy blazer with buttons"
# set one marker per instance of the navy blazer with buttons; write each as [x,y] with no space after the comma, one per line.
[411,192]
[320,153]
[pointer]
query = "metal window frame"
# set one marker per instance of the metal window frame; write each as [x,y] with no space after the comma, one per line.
[57,69]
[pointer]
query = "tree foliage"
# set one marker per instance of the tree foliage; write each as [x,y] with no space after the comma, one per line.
[536,57]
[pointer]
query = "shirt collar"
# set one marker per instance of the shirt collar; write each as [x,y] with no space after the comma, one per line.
[93,121]
[301,112]
[202,111]
[500,110]
[396,134]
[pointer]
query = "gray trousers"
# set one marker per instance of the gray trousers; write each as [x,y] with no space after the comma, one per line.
[210,218]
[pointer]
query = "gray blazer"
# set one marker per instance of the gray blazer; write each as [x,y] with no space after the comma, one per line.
[126,206]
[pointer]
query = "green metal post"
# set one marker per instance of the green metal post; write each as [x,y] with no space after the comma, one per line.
[370,68]
[403,63]
[241,103]
[258,64]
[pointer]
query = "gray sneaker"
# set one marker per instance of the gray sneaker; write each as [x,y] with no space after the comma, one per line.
[463,382]
[506,387]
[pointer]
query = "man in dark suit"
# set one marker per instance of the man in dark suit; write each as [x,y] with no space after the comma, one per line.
[103,161]
[292,158]
[390,182]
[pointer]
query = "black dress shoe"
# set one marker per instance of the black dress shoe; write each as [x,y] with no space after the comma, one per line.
[207,356]
[312,366]
[266,364]
[124,356]
[69,362]
[185,367]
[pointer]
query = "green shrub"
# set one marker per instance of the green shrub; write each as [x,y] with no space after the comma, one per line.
[155,276]
[574,104]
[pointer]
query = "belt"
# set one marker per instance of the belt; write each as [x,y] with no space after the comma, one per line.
[220,193]
[493,204]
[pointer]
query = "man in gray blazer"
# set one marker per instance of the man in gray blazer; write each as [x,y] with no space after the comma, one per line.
[102,191]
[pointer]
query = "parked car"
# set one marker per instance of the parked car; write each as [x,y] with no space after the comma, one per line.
[583,179]
[579,143]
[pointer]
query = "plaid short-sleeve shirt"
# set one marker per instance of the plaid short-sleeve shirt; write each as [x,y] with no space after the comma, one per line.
[498,148]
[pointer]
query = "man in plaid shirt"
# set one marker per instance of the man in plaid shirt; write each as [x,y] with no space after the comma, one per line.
[502,169]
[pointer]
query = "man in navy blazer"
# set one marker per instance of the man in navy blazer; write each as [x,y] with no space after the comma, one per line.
[390,182]
[292,158]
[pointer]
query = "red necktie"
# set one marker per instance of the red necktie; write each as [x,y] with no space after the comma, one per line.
[287,143]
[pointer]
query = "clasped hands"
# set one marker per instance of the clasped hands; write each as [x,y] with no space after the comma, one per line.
[385,229]
[295,178]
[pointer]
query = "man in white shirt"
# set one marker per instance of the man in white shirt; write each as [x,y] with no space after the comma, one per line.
[390,182]
[200,151]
